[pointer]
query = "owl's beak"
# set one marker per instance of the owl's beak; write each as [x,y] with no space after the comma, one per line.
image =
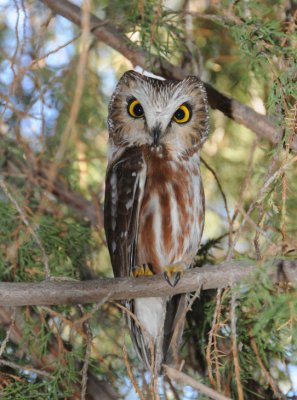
[156,134]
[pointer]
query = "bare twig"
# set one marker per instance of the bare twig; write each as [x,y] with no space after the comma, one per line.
[234,346]
[69,133]
[212,341]
[90,314]
[268,376]
[84,371]
[75,292]
[37,60]
[221,19]
[187,380]
[223,196]
[130,374]
[180,322]
[260,196]
[149,337]
[25,368]
[246,181]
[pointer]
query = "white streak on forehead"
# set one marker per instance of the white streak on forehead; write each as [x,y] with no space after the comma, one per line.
[159,102]
[159,99]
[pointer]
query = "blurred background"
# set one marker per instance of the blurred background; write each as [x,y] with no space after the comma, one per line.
[55,85]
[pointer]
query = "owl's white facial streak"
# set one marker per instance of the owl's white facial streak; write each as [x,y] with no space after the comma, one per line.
[159,100]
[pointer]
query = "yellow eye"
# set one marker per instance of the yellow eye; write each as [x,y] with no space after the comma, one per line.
[135,109]
[183,114]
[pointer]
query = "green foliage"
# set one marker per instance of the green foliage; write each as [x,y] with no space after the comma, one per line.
[153,27]
[245,49]
[66,243]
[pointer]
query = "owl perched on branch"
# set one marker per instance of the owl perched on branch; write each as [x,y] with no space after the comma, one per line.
[154,199]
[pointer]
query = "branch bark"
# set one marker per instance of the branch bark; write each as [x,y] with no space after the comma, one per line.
[104,31]
[37,175]
[54,292]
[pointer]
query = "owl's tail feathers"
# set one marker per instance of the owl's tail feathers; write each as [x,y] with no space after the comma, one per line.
[174,327]
[162,347]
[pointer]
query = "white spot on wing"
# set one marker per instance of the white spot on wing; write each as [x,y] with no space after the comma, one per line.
[114,199]
[129,204]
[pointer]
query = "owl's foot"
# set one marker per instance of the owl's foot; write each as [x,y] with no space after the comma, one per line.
[174,272]
[142,270]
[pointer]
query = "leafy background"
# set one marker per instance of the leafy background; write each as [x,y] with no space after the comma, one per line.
[245,49]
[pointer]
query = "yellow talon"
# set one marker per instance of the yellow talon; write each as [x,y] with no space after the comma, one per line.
[142,270]
[174,272]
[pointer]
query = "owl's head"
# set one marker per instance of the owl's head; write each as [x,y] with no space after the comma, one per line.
[153,112]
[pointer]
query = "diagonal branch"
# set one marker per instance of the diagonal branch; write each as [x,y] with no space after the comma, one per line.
[104,31]
[187,380]
[54,292]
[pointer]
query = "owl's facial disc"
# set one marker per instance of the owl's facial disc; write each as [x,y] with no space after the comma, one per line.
[147,111]
[181,116]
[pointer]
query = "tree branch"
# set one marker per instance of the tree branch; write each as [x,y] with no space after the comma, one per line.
[176,375]
[104,31]
[54,292]
[86,209]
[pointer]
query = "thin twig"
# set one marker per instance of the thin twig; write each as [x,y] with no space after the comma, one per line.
[130,373]
[234,346]
[246,181]
[25,368]
[84,371]
[223,196]
[258,199]
[268,376]
[221,19]
[90,314]
[174,341]
[8,333]
[187,380]
[37,60]
[172,388]
[259,229]
[69,134]
[211,341]
[31,230]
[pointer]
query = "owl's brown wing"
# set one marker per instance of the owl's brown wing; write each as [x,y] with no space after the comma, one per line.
[124,185]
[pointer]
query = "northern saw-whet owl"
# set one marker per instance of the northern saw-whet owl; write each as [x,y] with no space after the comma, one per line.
[154,198]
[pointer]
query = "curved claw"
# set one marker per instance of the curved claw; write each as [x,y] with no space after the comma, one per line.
[142,270]
[173,273]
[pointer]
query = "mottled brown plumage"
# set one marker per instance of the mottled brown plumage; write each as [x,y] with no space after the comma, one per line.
[154,202]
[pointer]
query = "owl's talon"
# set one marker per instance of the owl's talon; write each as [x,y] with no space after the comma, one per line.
[142,270]
[173,273]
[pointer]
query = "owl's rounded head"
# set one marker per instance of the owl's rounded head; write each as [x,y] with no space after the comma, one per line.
[153,112]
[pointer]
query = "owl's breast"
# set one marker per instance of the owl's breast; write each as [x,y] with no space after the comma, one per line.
[171,216]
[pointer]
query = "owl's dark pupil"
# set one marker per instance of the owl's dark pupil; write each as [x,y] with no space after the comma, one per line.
[179,114]
[138,110]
